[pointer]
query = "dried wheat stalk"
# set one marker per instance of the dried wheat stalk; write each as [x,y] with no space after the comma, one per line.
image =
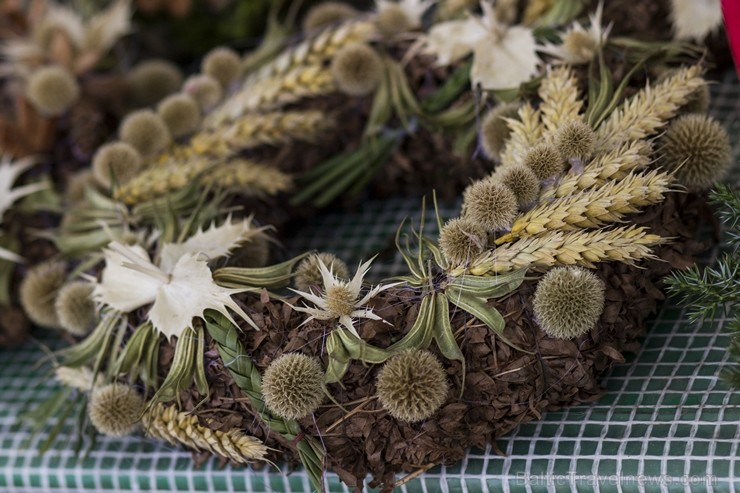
[526,132]
[560,103]
[248,178]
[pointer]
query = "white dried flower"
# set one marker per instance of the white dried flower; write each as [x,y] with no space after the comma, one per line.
[580,45]
[80,378]
[9,172]
[695,19]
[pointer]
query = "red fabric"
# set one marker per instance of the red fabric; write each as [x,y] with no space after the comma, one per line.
[731,11]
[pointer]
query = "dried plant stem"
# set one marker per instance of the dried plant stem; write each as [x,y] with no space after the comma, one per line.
[560,103]
[525,134]
[354,411]
[413,475]
[167,423]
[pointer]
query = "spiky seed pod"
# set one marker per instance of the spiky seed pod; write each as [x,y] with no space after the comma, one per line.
[575,140]
[77,183]
[181,113]
[462,239]
[491,204]
[326,14]
[252,253]
[39,290]
[568,302]
[357,69]
[146,131]
[204,89]
[115,409]
[696,149]
[392,20]
[52,90]
[152,80]
[75,307]
[222,64]
[117,162]
[307,273]
[544,160]
[522,181]
[412,385]
[293,385]
[494,129]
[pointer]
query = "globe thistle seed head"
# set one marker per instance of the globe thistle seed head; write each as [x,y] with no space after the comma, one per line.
[491,204]
[75,307]
[255,252]
[146,131]
[461,240]
[293,385]
[308,274]
[696,149]
[412,385]
[205,90]
[77,183]
[117,162]
[544,160]
[392,20]
[357,69]
[580,45]
[522,181]
[326,14]
[494,131]
[223,64]
[39,290]
[575,140]
[568,302]
[181,113]
[115,409]
[52,90]
[152,80]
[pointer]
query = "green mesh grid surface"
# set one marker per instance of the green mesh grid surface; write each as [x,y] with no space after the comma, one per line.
[666,423]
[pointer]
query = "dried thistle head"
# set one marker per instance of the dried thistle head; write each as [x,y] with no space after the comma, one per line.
[206,90]
[495,130]
[568,302]
[254,252]
[696,149]
[522,181]
[115,409]
[575,140]
[392,20]
[75,307]
[308,272]
[462,239]
[293,385]
[52,90]
[357,69]
[491,204]
[38,292]
[326,14]
[412,385]
[77,183]
[181,113]
[544,160]
[117,162]
[223,64]
[146,131]
[152,80]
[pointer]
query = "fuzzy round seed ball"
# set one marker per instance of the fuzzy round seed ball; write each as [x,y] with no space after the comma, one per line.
[146,131]
[115,409]
[39,290]
[696,148]
[77,184]
[494,131]
[152,80]
[580,46]
[462,239]
[326,14]
[223,64]
[568,302]
[307,273]
[181,113]
[575,140]
[293,385]
[52,90]
[392,20]
[357,69]
[491,204]
[204,89]
[522,181]
[75,307]
[545,161]
[255,252]
[117,162]
[412,385]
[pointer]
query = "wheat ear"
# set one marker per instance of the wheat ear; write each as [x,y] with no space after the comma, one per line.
[560,103]
[525,134]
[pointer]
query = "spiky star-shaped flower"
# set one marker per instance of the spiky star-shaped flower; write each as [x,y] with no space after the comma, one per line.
[341,299]
[9,172]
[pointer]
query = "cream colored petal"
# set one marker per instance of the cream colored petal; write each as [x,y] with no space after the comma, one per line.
[106,27]
[348,324]
[507,63]
[453,40]
[316,300]
[122,287]
[695,19]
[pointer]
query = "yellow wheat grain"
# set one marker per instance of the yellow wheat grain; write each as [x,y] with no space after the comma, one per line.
[526,132]
[247,178]
[180,428]
[649,110]
[560,103]
[584,248]
[592,208]
[612,165]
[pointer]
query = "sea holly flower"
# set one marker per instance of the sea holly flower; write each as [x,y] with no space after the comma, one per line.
[580,45]
[341,299]
[9,172]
